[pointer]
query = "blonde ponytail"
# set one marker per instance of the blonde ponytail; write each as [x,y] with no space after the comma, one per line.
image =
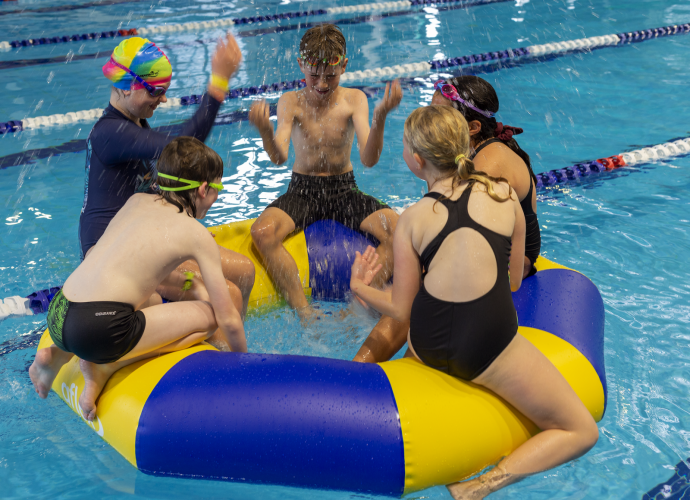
[466,172]
[440,135]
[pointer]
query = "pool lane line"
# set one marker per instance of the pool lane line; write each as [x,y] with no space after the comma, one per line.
[491,60]
[586,170]
[197,25]
[79,145]
[20,63]
[62,8]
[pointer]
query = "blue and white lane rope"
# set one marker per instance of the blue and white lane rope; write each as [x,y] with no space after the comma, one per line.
[218,23]
[38,302]
[579,171]
[391,72]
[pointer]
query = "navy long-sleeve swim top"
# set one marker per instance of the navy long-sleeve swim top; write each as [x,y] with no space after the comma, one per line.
[120,161]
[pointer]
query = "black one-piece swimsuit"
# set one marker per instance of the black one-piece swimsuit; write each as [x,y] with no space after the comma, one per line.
[464,338]
[532,231]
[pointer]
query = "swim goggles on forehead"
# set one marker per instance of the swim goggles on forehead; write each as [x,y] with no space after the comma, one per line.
[190,184]
[450,92]
[153,91]
[313,61]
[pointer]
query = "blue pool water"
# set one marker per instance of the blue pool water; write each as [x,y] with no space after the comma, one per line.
[628,231]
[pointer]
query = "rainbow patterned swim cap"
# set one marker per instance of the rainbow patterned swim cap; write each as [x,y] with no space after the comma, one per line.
[143,58]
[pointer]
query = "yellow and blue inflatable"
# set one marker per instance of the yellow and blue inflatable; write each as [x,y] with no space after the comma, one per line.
[391,428]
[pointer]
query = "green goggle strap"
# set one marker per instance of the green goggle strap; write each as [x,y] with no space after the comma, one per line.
[190,184]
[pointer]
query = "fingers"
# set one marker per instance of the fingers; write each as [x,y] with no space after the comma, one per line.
[259,113]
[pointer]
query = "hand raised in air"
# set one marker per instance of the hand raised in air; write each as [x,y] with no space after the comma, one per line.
[227,57]
[392,96]
[259,116]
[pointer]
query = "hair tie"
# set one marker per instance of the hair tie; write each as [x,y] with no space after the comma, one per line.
[506,132]
[457,158]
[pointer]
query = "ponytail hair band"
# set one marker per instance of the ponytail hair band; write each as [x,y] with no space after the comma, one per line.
[506,132]
[459,157]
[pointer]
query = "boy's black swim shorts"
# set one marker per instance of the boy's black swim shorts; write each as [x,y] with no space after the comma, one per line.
[310,198]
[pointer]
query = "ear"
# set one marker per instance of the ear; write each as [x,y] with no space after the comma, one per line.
[300,63]
[475,127]
[421,162]
[202,191]
[344,66]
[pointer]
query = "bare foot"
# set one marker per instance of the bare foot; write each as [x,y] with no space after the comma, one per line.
[468,490]
[482,486]
[307,315]
[95,377]
[218,341]
[45,368]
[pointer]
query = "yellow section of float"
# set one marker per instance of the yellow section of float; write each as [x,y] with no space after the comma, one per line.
[237,237]
[123,397]
[542,264]
[452,429]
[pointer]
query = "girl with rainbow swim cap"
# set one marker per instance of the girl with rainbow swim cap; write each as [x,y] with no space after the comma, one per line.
[122,149]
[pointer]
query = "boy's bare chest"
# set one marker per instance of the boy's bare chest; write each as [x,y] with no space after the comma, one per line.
[320,128]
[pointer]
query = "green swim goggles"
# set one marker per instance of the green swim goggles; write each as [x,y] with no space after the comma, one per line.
[190,184]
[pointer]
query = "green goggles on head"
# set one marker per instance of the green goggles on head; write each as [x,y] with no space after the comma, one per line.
[190,184]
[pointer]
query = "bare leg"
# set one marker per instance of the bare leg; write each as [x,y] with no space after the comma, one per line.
[169,327]
[45,368]
[171,288]
[237,269]
[268,233]
[387,338]
[525,378]
[381,224]
[527,267]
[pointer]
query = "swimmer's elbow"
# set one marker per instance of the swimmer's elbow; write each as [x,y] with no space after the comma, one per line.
[279,159]
[401,315]
[515,284]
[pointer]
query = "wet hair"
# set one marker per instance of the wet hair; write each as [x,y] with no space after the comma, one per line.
[324,41]
[482,95]
[440,135]
[187,158]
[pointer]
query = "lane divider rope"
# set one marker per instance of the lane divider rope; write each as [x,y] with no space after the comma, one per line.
[560,176]
[391,72]
[197,25]
[38,301]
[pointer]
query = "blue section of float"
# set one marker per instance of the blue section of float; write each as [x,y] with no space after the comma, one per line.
[296,420]
[331,248]
[568,305]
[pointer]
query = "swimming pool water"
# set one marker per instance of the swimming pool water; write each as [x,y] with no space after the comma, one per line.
[627,231]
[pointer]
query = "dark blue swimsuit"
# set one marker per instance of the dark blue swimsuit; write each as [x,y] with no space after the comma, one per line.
[120,161]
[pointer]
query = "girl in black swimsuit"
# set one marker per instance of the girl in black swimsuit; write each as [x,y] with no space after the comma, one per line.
[476,99]
[453,252]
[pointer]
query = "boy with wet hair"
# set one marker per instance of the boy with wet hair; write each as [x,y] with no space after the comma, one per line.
[104,313]
[322,120]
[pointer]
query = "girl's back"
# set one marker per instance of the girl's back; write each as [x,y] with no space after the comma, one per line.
[464,267]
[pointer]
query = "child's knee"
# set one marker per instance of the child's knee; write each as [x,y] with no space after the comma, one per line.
[235,294]
[248,270]
[590,435]
[263,235]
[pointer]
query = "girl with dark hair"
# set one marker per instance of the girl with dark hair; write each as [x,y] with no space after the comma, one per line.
[495,150]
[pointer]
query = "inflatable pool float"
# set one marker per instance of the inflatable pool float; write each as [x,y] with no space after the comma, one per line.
[390,429]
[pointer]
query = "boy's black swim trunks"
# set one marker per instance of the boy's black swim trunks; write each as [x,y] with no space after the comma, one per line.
[99,332]
[310,198]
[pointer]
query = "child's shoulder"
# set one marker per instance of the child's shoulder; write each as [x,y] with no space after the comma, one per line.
[352,95]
